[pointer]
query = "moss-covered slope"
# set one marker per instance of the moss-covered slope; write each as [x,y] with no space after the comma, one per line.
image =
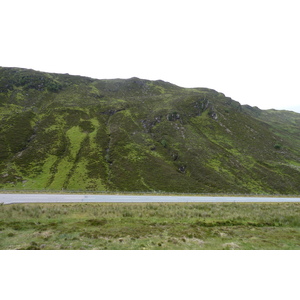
[75,133]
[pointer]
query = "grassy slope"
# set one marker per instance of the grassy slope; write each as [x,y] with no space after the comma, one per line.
[75,133]
[150,226]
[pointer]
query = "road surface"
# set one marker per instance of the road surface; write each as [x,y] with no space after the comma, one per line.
[61,198]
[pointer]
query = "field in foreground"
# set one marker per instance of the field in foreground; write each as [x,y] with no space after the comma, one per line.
[155,226]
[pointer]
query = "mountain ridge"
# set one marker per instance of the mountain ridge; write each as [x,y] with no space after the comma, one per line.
[61,131]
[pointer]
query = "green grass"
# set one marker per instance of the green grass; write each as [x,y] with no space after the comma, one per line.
[157,226]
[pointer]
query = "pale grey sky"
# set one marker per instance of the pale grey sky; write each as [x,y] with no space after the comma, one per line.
[248,50]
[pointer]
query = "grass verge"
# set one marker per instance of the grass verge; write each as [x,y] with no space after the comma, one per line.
[155,226]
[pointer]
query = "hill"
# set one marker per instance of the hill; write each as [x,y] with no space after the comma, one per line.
[59,131]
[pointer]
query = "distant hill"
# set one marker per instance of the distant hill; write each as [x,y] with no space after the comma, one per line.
[59,131]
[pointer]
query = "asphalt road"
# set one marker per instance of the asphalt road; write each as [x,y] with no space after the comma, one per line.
[61,198]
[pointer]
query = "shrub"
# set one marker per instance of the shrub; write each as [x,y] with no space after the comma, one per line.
[277,146]
[54,86]
[164,143]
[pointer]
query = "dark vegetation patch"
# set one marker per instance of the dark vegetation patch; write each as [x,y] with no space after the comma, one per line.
[96,222]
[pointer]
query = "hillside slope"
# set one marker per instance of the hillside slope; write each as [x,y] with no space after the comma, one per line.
[59,131]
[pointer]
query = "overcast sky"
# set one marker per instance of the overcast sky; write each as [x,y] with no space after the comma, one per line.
[248,50]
